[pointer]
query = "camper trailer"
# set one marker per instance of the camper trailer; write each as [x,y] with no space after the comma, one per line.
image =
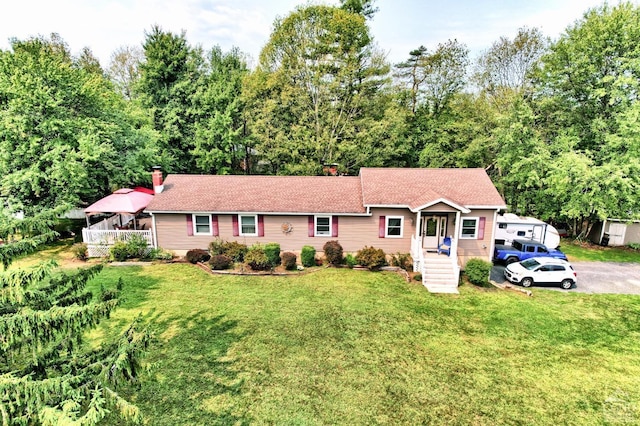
[511,226]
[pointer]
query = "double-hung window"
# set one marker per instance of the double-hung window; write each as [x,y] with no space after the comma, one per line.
[394,227]
[249,225]
[201,224]
[469,229]
[322,226]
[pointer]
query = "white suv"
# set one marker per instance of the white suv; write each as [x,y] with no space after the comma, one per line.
[539,270]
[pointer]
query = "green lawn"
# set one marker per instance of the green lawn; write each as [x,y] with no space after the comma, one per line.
[350,347]
[588,252]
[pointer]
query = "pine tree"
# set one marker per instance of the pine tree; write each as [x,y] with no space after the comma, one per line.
[47,375]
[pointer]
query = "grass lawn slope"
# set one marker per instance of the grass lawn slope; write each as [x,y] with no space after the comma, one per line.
[349,347]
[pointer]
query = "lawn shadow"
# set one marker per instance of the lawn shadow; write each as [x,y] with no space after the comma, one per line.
[136,284]
[194,379]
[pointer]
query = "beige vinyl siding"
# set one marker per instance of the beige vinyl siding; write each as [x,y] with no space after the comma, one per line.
[470,248]
[632,235]
[354,232]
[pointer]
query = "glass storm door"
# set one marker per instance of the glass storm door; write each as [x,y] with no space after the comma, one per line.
[430,233]
[434,229]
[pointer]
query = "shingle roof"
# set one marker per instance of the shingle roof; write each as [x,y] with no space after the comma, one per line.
[418,187]
[265,194]
[413,188]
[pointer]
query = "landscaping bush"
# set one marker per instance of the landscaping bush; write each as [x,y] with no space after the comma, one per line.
[350,260]
[477,271]
[217,247]
[80,251]
[402,260]
[159,254]
[634,246]
[272,251]
[371,257]
[136,246]
[289,260]
[257,259]
[219,262]
[233,249]
[308,256]
[197,255]
[119,251]
[333,252]
[417,277]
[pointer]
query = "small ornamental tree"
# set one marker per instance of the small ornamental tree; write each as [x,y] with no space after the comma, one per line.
[47,376]
[289,260]
[333,252]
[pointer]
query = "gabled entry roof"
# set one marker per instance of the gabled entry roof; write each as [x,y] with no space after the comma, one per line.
[420,188]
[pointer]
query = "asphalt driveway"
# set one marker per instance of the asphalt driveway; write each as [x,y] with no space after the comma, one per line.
[595,277]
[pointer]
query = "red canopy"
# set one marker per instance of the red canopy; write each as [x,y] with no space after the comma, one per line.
[124,200]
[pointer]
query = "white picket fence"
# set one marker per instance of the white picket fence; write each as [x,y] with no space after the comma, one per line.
[100,241]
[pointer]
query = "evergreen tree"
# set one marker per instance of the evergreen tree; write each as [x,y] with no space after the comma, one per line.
[168,82]
[219,130]
[47,375]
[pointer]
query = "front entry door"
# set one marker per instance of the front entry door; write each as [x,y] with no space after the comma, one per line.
[434,230]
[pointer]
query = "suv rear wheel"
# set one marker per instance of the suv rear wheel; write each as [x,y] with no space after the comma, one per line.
[566,284]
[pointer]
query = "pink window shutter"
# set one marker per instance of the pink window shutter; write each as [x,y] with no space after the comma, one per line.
[483,220]
[215,230]
[234,223]
[311,226]
[189,225]
[381,226]
[334,226]
[260,225]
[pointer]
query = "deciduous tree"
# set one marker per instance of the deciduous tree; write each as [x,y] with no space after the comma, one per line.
[316,96]
[503,71]
[124,69]
[65,135]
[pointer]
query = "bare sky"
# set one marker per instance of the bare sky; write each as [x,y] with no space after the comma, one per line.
[399,26]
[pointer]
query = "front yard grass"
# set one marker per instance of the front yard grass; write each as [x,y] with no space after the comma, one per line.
[339,346]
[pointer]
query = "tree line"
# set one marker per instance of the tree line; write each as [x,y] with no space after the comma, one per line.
[554,122]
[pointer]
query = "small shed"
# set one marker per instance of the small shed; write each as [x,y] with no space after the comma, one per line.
[616,232]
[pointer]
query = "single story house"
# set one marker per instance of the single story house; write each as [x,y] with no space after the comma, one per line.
[400,210]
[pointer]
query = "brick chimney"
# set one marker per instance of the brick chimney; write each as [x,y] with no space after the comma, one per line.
[156,177]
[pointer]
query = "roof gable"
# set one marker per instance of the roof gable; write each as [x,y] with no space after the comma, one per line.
[417,188]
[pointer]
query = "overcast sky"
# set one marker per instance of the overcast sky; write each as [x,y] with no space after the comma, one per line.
[399,26]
